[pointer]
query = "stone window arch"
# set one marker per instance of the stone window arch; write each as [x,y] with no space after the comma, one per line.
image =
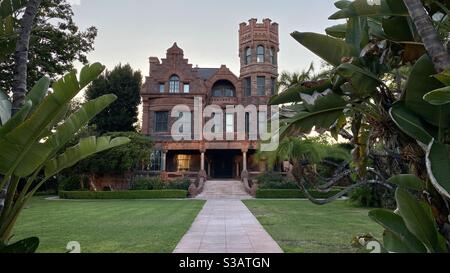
[223,88]
[261,53]
[174,84]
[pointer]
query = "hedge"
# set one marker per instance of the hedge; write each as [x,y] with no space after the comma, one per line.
[291,194]
[157,194]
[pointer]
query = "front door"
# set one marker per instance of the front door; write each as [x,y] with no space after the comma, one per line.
[222,164]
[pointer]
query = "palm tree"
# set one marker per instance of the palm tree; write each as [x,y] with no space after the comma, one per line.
[429,35]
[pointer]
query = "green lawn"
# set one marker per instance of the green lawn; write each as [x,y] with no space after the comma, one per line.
[154,226]
[299,226]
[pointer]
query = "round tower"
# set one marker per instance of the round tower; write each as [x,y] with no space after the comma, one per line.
[258,52]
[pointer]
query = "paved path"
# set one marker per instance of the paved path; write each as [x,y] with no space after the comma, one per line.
[225,225]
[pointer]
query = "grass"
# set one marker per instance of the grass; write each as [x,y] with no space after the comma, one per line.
[132,226]
[302,227]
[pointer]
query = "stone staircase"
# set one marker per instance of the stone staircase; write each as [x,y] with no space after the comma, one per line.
[224,189]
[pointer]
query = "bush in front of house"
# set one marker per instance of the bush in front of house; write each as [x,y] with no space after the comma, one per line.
[71,183]
[274,180]
[292,194]
[372,196]
[157,183]
[105,195]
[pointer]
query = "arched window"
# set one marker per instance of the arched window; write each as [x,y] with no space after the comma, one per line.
[223,89]
[248,55]
[273,59]
[174,84]
[260,50]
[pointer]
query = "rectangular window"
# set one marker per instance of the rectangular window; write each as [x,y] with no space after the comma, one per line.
[183,163]
[273,86]
[247,123]
[186,88]
[261,83]
[155,161]
[162,88]
[161,122]
[230,123]
[248,87]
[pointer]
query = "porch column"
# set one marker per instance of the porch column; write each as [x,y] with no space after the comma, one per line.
[202,161]
[244,161]
[163,161]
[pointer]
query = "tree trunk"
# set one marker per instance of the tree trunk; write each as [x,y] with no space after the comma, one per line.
[20,73]
[19,87]
[429,35]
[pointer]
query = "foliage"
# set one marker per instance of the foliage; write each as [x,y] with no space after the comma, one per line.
[32,140]
[396,125]
[372,196]
[127,158]
[292,193]
[71,183]
[157,183]
[142,194]
[274,180]
[125,83]
[56,43]
[7,35]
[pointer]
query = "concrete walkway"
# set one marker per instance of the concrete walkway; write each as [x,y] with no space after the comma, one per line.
[226,225]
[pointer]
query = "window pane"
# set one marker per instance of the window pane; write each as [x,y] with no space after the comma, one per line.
[248,87]
[183,162]
[162,88]
[174,84]
[261,53]
[248,55]
[230,123]
[161,121]
[187,88]
[261,82]
[155,161]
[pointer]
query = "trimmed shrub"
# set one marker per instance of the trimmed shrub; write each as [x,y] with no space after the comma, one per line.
[155,194]
[274,180]
[292,194]
[71,183]
[157,183]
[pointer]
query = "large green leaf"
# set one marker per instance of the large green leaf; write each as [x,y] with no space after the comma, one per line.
[410,123]
[25,246]
[38,92]
[87,147]
[417,219]
[330,49]
[397,28]
[421,82]
[16,144]
[337,31]
[394,244]
[408,181]
[363,81]
[322,111]
[395,224]
[40,152]
[292,94]
[363,8]
[5,108]
[357,33]
[17,119]
[438,165]
[8,7]
[438,97]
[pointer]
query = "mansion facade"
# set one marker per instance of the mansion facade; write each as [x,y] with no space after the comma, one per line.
[174,81]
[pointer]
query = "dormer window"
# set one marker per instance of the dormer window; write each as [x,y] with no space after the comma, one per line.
[223,88]
[174,84]
[261,52]
[248,55]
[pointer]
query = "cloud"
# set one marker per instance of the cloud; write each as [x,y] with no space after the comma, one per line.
[75,2]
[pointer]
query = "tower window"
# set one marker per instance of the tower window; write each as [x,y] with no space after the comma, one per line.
[161,122]
[261,83]
[273,86]
[248,87]
[248,55]
[174,84]
[260,53]
[273,59]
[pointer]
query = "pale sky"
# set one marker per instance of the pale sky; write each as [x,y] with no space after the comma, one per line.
[207,30]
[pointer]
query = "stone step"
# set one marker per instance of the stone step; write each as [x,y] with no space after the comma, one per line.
[224,189]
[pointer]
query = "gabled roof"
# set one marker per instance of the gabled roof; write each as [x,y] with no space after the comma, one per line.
[207,73]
